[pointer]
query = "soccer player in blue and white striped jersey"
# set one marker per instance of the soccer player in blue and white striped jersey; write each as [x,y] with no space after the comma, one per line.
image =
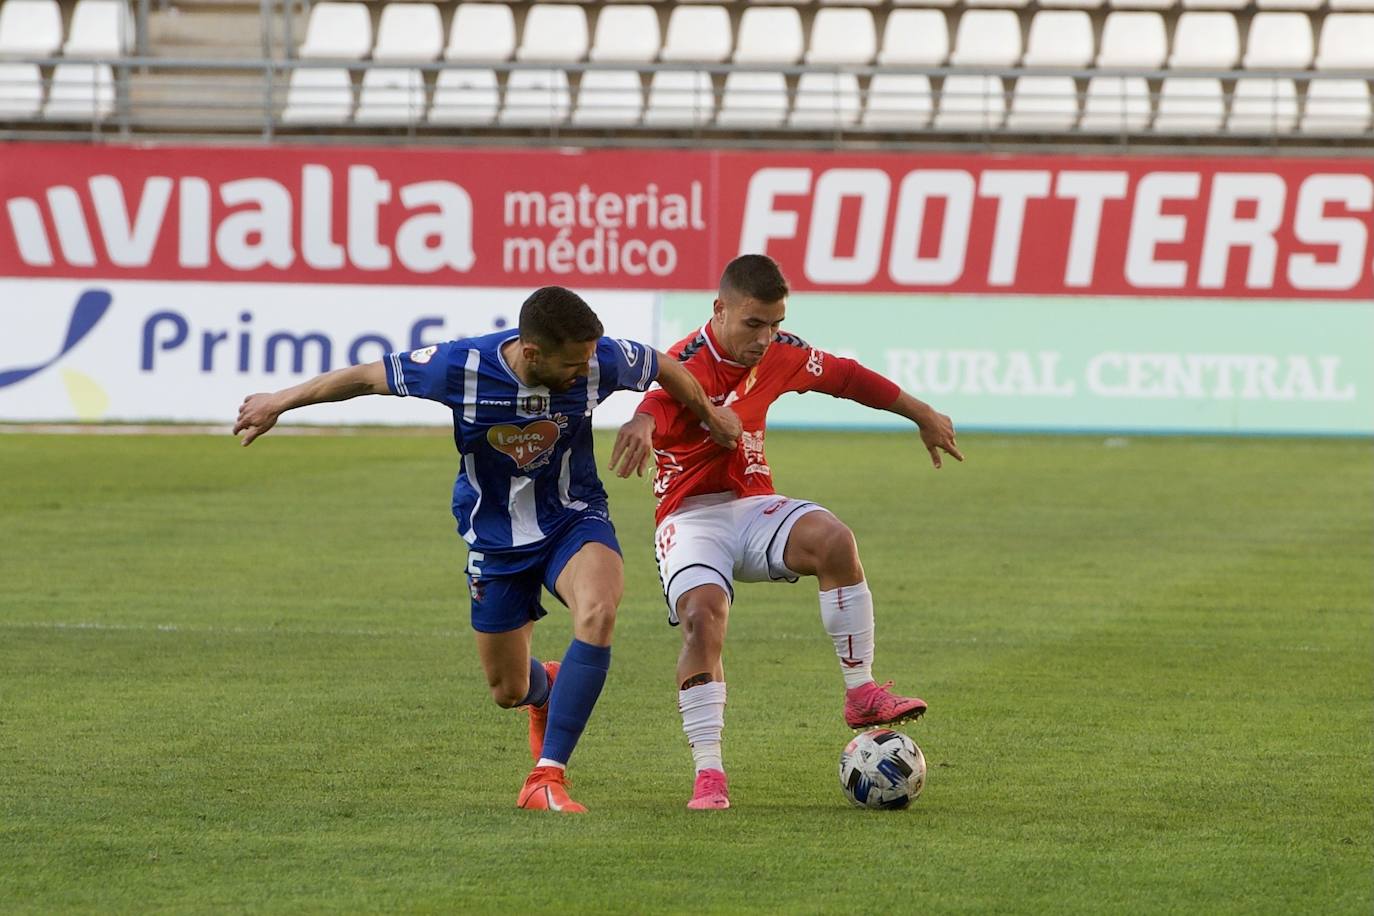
[527,498]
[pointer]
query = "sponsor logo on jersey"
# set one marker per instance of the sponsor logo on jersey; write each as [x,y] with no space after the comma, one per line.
[529,446]
[533,405]
[423,355]
[631,354]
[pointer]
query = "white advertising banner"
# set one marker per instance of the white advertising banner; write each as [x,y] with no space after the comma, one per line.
[135,351]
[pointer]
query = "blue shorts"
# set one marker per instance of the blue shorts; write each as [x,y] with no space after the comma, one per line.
[505,585]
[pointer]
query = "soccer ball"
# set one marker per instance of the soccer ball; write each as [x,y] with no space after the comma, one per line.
[882,769]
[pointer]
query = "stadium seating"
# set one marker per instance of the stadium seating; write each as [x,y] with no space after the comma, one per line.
[318,96]
[1140,67]
[30,28]
[99,29]
[341,31]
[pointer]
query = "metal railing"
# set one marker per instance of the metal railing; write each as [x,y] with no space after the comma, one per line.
[275,97]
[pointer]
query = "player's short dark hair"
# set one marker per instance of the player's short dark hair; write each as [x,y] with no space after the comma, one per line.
[756,276]
[553,316]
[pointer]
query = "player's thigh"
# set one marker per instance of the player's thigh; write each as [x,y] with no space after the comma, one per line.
[696,550]
[591,584]
[583,567]
[819,542]
[766,524]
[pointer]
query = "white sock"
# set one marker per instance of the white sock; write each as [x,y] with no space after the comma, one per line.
[546,762]
[703,719]
[847,615]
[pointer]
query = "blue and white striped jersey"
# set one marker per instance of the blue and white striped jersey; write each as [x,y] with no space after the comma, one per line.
[527,462]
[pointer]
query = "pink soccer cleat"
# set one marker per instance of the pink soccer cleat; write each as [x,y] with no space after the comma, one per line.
[711,792]
[872,705]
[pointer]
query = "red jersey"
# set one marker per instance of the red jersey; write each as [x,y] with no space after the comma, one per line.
[690,464]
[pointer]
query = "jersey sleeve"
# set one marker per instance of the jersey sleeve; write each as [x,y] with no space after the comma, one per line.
[842,377]
[626,364]
[421,373]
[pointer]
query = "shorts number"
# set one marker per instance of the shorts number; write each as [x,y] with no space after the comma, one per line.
[474,559]
[666,539]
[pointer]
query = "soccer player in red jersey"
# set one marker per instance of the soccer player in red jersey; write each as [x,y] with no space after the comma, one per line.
[720,520]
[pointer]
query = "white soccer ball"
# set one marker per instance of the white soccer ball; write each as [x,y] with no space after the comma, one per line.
[882,769]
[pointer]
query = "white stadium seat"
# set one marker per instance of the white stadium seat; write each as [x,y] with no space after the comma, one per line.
[680,98]
[1336,106]
[698,33]
[1263,106]
[826,100]
[21,91]
[391,95]
[1143,4]
[1279,41]
[464,96]
[1205,41]
[900,3]
[536,97]
[1189,104]
[1043,103]
[1133,39]
[30,28]
[971,103]
[1060,38]
[626,34]
[1001,4]
[1072,4]
[1347,42]
[318,96]
[1293,4]
[987,38]
[554,32]
[481,32]
[99,28]
[898,101]
[753,100]
[409,32]
[609,97]
[340,31]
[769,35]
[842,35]
[1115,104]
[80,92]
[915,38]
[1350,4]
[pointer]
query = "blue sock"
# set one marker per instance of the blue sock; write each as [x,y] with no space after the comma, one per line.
[539,685]
[574,694]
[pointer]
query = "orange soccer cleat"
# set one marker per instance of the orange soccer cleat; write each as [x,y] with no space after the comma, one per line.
[539,716]
[546,790]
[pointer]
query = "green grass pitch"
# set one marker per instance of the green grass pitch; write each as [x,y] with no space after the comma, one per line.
[242,680]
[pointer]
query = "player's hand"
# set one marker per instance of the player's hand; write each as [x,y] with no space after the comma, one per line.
[634,446]
[257,414]
[725,428]
[937,432]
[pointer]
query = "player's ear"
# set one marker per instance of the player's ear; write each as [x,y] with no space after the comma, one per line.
[717,308]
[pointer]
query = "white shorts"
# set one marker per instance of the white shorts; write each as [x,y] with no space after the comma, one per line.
[717,539]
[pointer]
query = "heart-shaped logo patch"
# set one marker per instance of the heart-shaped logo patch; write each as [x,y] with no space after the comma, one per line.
[524,444]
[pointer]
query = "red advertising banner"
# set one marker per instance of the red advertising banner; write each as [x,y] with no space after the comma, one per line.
[1062,225]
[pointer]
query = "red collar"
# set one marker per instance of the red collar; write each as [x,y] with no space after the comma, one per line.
[714,346]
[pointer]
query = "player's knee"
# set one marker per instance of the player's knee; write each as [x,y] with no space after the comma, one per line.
[703,619]
[508,694]
[595,621]
[840,552]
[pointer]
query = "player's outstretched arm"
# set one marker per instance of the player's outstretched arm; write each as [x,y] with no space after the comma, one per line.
[259,412]
[722,423]
[937,430]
